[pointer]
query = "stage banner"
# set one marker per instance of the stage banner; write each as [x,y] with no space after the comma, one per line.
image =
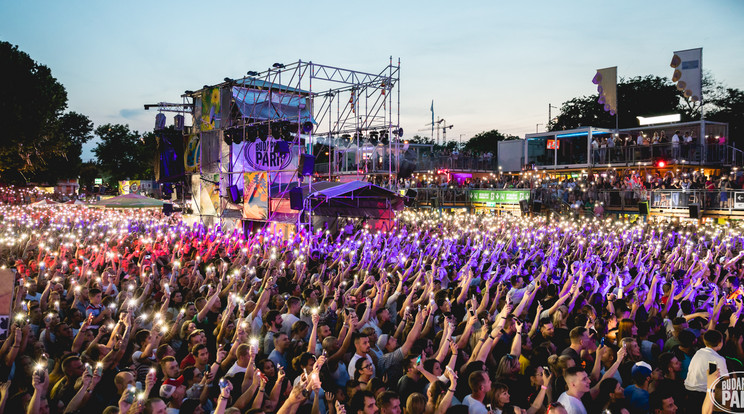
[142,187]
[688,72]
[263,155]
[208,108]
[7,284]
[499,196]
[606,81]
[209,194]
[256,196]
[192,156]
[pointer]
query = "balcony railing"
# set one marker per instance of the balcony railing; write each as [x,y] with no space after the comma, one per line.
[697,155]
[720,201]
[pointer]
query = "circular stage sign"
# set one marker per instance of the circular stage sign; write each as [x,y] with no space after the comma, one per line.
[265,155]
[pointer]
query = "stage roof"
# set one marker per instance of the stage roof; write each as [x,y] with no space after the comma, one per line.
[254,83]
[265,105]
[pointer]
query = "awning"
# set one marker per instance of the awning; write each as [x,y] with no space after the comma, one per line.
[130,201]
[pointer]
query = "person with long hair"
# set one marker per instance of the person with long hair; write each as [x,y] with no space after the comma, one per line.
[415,404]
[363,373]
[507,373]
[626,329]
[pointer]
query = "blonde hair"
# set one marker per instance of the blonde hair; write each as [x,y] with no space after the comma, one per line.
[416,404]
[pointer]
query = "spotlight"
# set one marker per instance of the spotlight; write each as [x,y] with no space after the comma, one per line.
[278,66]
[307,127]
[252,73]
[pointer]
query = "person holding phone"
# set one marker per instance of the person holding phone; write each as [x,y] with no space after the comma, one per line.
[697,374]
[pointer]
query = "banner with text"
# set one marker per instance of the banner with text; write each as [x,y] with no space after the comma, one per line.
[499,196]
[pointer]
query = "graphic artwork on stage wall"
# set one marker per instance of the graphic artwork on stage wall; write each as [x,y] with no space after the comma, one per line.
[192,156]
[256,196]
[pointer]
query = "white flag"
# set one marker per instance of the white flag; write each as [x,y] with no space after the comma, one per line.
[688,72]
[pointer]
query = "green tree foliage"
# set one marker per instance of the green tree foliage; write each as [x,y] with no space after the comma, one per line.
[30,109]
[487,141]
[124,154]
[639,96]
[652,95]
[72,131]
[88,173]
[729,107]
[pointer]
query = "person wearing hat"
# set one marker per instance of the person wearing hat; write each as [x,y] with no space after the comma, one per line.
[173,392]
[637,393]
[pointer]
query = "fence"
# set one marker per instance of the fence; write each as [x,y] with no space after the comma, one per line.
[729,200]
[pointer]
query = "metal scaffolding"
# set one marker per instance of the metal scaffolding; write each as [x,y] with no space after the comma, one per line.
[349,109]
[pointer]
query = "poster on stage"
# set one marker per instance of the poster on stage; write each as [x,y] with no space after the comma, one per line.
[256,196]
[192,156]
[263,155]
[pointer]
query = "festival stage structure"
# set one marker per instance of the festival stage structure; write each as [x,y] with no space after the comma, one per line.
[256,137]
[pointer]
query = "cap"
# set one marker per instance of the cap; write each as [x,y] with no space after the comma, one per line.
[382,340]
[642,368]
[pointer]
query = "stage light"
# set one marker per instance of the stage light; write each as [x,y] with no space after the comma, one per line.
[252,73]
[307,127]
[278,65]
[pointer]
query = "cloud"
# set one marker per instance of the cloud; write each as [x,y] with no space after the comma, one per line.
[130,113]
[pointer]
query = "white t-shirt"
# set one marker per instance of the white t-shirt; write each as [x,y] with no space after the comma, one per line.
[697,373]
[572,405]
[474,406]
[287,321]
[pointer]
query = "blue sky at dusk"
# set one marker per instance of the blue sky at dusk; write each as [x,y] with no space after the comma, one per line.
[486,64]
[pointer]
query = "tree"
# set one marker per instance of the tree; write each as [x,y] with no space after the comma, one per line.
[487,141]
[30,108]
[72,131]
[123,154]
[729,107]
[88,173]
[639,96]
[417,139]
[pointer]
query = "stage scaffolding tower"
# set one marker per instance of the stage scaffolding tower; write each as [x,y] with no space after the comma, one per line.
[350,110]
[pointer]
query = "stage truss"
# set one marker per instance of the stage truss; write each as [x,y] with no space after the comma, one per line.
[350,109]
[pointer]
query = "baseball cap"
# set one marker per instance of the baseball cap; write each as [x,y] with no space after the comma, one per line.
[382,340]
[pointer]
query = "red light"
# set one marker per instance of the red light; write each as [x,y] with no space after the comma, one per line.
[661,164]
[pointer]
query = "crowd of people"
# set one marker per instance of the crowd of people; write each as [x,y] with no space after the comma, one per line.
[607,186]
[121,311]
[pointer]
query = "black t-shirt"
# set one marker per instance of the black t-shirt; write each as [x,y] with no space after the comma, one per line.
[408,386]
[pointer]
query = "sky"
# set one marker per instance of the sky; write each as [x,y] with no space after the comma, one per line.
[485,64]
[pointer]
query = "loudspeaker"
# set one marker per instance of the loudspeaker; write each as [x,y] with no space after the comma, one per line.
[178,122]
[234,194]
[295,198]
[524,206]
[159,121]
[643,208]
[307,164]
[536,206]
[694,211]
[282,147]
[167,209]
